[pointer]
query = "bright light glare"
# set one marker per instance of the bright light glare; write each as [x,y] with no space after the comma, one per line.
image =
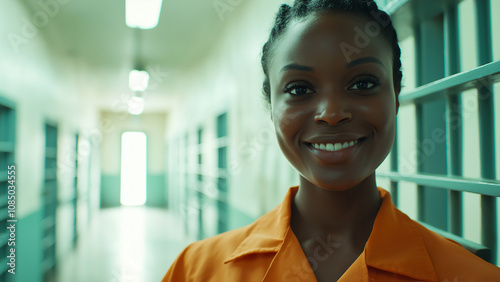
[131,261]
[138,80]
[143,14]
[133,169]
[136,105]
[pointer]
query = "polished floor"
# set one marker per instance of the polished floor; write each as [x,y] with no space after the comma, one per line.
[129,244]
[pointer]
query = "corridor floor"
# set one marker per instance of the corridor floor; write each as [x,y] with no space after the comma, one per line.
[128,244]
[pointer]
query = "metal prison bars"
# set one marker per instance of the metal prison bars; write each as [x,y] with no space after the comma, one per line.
[446,94]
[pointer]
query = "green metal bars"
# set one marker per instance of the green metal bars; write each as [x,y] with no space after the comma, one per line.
[49,196]
[486,126]
[483,75]
[453,119]
[484,187]
[441,84]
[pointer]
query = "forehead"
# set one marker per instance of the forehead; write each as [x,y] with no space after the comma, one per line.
[332,38]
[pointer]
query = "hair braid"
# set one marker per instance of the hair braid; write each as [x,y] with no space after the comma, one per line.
[281,22]
[300,8]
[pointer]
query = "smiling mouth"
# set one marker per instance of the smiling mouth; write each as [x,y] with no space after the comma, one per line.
[333,147]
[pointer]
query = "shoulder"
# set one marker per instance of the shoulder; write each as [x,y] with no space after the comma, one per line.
[452,262]
[223,245]
[449,260]
[201,257]
[205,260]
[220,246]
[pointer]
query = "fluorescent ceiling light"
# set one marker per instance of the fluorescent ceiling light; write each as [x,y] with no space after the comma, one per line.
[142,14]
[138,80]
[136,105]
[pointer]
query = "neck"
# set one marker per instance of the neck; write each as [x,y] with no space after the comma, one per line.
[347,216]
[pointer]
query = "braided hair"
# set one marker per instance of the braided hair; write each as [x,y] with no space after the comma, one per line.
[304,8]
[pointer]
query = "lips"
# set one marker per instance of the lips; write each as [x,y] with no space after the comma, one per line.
[334,138]
[334,148]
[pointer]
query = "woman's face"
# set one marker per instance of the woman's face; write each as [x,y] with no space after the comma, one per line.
[332,99]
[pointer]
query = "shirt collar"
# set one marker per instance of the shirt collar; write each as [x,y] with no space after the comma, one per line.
[395,244]
[268,232]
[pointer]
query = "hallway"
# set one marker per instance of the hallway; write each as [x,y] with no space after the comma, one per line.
[93,104]
[125,245]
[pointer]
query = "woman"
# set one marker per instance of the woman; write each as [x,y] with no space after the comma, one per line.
[332,82]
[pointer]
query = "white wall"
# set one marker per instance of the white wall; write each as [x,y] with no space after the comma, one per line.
[230,80]
[44,87]
[114,124]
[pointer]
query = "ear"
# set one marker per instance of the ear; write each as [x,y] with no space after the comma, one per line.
[397,91]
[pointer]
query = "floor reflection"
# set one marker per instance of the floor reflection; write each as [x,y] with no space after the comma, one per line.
[125,244]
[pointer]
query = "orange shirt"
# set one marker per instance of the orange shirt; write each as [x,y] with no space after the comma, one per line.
[399,249]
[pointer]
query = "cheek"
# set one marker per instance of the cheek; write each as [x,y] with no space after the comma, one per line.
[288,121]
[382,115]
[282,118]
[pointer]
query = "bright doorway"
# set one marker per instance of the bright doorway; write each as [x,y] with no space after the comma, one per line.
[133,169]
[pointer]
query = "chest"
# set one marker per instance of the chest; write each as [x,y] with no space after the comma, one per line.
[329,261]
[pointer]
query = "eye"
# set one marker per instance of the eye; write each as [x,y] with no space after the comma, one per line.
[298,89]
[364,83]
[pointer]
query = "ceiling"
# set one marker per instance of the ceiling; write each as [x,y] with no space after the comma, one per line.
[94,32]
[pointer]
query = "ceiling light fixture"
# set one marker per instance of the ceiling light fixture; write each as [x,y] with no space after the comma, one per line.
[138,80]
[136,105]
[143,14]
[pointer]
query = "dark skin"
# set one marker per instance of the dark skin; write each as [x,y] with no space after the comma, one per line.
[348,103]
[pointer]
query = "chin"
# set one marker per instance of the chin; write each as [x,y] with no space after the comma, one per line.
[336,186]
[339,184]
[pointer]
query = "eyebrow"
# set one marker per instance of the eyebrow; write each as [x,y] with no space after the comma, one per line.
[351,64]
[364,60]
[297,67]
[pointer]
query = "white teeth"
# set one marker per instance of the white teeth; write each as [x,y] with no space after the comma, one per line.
[334,147]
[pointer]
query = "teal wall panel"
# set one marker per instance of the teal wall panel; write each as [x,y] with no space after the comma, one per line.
[110,190]
[156,190]
[29,248]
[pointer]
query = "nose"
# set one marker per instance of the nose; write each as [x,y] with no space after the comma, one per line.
[333,109]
